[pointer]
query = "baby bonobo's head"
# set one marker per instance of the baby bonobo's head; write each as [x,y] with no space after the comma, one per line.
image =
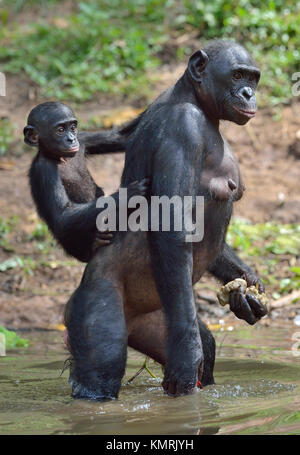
[52,127]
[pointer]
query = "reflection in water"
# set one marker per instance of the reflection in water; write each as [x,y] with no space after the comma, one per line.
[256,392]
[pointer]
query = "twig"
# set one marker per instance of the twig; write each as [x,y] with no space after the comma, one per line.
[144,367]
[206,298]
[284,301]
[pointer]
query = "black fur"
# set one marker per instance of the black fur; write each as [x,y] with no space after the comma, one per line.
[62,188]
[176,142]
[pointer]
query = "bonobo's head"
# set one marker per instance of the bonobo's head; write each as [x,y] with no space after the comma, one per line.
[225,77]
[52,127]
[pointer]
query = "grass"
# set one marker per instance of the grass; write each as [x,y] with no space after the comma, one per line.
[6,135]
[12,340]
[273,248]
[115,46]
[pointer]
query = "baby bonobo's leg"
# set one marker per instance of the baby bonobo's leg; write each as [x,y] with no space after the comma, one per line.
[97,340]
[147,334]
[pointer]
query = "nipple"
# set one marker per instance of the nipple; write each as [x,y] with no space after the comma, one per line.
[232,185]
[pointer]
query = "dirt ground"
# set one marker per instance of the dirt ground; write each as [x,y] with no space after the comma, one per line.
[268,151]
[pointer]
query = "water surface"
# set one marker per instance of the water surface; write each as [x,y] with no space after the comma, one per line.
[257,391]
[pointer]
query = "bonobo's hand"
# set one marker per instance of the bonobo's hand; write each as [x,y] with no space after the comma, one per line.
[102,239]
[138,188]
[248,307]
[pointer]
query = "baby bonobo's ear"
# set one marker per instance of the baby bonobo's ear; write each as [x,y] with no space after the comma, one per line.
[31,136]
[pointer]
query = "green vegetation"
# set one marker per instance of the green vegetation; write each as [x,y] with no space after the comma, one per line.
[275,249]
[114,45]
[41,244]
[6,135]
[7,226]
[12,340]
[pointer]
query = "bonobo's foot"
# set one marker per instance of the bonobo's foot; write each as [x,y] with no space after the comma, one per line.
[138,188]
[95,389]
[185,365]
[80,391]
[248,307]
[178,383]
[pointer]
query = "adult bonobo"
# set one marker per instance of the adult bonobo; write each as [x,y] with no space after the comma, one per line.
[139,291]
[62,187]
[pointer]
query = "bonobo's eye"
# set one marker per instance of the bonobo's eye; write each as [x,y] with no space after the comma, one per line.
[252,77]
[60,129]
[237,75]
[73,127]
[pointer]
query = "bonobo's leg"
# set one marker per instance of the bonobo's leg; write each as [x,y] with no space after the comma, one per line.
[148,335]
[174,174]
[97,338]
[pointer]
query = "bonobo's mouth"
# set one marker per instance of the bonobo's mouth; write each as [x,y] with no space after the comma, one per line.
[74,149]
[248,114]
[71,151]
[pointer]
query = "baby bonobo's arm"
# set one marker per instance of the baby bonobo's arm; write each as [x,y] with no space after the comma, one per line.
[72,224]
[109,141]
[136,188]
[102,142]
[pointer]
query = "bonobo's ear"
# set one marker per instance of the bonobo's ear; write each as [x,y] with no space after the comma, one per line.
[197,64]
[31,136]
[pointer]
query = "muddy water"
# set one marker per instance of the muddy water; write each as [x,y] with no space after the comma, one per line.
[257,391]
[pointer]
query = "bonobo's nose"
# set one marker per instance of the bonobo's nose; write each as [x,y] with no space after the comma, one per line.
[246,92]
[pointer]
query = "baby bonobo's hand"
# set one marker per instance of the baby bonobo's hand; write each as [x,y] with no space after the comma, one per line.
[103,238]
[138,188]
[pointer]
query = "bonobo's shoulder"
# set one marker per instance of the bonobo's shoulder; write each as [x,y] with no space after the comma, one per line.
[188,112]
[187,122]
[41,165]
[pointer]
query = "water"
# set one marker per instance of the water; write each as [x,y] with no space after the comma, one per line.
[257,391]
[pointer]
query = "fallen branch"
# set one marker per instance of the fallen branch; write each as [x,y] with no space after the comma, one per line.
[284,301]
[206,298]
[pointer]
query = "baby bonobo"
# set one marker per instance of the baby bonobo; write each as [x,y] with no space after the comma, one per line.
[62,188]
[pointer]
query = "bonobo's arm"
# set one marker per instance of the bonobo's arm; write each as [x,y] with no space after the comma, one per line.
[73,225]
[175,166]
[228,266]
[111,141]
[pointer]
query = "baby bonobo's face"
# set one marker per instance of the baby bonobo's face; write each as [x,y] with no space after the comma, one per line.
[58,133]
[52,127]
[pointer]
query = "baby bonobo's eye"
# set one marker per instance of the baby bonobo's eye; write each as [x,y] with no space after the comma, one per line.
[74,127]
[237,75]
[60,129]
[252,77]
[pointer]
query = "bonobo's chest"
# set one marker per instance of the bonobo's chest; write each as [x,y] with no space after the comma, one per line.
[79,184]
[220,177]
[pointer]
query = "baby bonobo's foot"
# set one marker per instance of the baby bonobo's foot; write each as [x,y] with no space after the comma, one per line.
[138,188]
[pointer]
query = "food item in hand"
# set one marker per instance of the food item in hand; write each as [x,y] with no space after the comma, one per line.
[241,285]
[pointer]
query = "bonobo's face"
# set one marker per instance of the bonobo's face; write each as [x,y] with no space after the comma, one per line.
[55,132]
[58,132]
[228,84]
